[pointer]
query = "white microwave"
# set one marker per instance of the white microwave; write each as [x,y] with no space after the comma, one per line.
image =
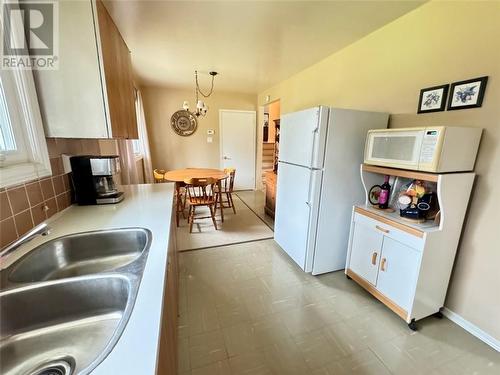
[432,149]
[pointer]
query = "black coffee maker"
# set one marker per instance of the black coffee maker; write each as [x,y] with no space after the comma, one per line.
[94,179]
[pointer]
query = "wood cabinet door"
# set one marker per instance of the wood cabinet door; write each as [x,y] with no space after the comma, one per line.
[365,252]
[167,356]
[71,97]
[118,77]
[399,267]
[130,96]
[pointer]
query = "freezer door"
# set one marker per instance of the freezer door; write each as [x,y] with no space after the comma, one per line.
[341,187]
[296,212]
[303,136]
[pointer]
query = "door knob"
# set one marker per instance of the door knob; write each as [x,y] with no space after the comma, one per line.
[226,158]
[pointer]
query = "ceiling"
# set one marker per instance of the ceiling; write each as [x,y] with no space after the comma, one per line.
[252,44]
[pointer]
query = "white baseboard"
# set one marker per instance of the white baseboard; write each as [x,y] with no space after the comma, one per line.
[472,329]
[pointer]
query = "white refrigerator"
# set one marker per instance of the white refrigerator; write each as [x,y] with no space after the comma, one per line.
[321,150]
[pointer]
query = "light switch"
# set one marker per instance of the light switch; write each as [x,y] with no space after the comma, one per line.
[209,139]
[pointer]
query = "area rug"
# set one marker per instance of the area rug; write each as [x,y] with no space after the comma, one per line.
[243,226]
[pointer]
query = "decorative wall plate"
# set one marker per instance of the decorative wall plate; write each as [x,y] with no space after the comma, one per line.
[184,123]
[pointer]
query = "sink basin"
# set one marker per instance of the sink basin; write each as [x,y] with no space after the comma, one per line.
[65,304]
[65,326]
[80,254]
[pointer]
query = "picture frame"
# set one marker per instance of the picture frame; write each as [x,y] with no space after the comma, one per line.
[467,94]
[433,99]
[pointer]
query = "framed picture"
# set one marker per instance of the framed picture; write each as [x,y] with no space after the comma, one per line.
[433,99]
[467,94]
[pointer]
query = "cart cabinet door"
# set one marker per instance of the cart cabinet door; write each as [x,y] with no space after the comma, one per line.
[399,266]
[365,252]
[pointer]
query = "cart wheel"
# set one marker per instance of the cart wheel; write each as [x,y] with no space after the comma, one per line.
[439,315]
[412,325]
[348,277]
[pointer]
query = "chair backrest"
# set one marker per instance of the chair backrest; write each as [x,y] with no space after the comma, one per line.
[201,188]
[228,183]
[159,175]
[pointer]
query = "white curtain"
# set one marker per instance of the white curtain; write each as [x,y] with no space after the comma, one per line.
[129,174]
[143,139]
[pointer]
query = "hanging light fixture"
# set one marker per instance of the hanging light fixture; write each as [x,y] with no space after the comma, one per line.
[201,107]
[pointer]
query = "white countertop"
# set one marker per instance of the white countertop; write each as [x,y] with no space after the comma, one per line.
[146,206]
[426,226]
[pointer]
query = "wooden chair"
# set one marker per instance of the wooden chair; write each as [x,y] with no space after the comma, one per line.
[201,192]
[227,186]
[180,196]
[159,175]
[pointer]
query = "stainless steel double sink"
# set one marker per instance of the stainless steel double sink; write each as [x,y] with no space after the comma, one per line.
[65,304]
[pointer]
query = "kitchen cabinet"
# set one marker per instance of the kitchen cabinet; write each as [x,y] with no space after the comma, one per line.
[91,94]
[167,358]
[397,272]
[407,265]
[366,249]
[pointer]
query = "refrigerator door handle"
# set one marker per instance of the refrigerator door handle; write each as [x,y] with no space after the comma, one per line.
[313,150]
[308,202]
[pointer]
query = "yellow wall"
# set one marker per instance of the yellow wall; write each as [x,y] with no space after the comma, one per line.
[171,151]
[440,42]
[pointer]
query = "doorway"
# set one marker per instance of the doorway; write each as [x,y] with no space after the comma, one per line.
[270,151]
[238,140]
[270,140]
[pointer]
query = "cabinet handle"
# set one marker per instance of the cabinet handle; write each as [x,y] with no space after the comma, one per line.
[382,264]
[382,229]
[374,258]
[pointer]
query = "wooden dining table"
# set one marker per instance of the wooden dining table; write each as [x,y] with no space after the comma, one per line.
[180,175]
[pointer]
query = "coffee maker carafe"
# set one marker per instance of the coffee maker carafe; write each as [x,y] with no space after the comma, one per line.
[94,179]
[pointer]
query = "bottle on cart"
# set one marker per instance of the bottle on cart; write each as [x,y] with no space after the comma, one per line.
[385,191]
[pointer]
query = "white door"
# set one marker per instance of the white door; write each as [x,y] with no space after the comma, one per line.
[365,252]
[302,137]
[237,139]
[399,266]
[292,218]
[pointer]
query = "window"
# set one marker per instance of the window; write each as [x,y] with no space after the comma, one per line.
[13,148]
[23,150]
[137,143]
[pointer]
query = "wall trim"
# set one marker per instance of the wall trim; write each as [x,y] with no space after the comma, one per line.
[472,329]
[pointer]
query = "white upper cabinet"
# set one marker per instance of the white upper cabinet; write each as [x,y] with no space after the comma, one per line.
[91,94]
[71,98]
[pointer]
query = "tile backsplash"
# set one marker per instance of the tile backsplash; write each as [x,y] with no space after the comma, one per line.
[26,205]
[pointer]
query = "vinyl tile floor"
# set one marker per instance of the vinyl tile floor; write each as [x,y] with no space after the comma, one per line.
[256,200]
[248,309]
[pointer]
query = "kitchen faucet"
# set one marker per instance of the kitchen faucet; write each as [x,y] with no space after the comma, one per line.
[42,229]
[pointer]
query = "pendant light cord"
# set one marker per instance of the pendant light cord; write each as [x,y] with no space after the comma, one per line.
[198,90]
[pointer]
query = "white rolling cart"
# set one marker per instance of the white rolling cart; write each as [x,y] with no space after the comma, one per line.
[407,265]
